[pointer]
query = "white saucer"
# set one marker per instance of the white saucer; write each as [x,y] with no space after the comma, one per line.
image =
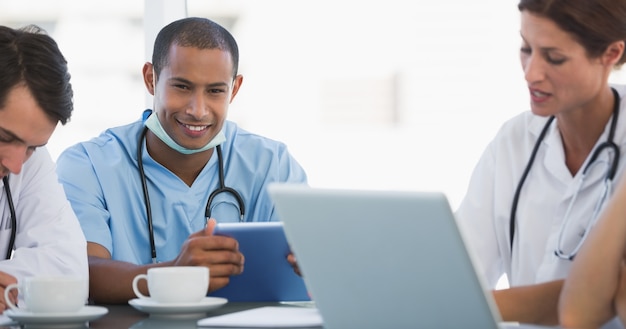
[87,313]
[179,309]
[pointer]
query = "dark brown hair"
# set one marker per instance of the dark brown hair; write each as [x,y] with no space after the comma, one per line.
[31,57]
[595,24]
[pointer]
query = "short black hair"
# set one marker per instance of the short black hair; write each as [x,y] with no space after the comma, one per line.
[29,56]
[194,32]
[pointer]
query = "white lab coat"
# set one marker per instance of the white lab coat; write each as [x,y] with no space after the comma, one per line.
[485,211]
[49,240]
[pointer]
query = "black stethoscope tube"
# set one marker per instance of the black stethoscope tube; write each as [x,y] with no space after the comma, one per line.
[608,144]
[223,188]
[518,190]
[7,189]
[146,196]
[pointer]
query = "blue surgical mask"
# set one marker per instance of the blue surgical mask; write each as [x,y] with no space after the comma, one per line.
[155,127]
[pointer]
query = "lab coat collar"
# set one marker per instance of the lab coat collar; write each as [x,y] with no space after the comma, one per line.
[554,160]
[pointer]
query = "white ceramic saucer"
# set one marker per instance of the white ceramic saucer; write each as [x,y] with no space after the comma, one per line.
[87,313]
[153,307]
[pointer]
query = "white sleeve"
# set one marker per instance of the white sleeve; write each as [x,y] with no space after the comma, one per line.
[476,219]
[49,239]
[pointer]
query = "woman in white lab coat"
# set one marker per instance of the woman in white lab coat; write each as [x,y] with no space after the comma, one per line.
[528,204]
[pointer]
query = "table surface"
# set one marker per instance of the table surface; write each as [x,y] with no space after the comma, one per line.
[125,316]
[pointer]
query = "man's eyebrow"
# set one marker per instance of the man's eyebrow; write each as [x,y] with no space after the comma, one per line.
[185,81]
[178,79]
[16,138]
[12,135]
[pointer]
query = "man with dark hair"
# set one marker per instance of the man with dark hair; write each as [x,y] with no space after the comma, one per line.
[149,193]
[38,229]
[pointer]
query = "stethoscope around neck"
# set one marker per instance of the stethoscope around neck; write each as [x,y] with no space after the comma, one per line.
[608,145]
[7,190]
[207,213]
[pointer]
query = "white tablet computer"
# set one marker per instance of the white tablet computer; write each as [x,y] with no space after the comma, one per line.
[267,276]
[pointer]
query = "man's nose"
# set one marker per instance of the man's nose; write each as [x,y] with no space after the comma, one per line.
[13,157]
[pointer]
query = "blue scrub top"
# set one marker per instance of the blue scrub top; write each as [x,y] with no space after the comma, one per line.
[102,182]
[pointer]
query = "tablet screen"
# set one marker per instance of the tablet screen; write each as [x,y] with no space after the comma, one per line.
[267,276]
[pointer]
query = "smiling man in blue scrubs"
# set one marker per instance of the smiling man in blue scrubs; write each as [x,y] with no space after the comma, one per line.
[143,192]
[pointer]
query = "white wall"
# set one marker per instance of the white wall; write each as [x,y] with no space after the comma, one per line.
[455,63]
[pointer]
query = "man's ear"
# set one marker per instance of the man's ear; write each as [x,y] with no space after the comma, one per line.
[236,85]
[149,78]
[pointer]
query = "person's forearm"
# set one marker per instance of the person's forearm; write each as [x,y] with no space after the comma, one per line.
[587,300]
[589,291]
[535,304]
[110,282]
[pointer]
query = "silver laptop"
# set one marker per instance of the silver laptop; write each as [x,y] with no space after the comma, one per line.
[383,259]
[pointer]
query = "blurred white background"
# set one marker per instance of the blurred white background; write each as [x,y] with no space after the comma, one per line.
[389,94]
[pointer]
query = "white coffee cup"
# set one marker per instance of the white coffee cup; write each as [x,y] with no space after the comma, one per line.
[175,284]
[50,294]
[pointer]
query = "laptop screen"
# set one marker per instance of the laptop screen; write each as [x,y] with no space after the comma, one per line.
[382,259]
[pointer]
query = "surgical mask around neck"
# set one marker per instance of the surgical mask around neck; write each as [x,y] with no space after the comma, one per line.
[155,127]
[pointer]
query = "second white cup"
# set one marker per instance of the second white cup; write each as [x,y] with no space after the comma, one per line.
[175,284]
[50,294]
